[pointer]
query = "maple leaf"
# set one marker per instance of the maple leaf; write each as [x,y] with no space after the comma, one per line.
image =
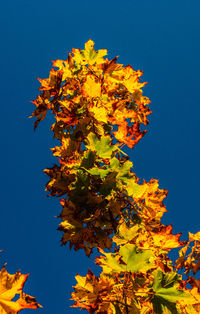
[65,67]
[194,237]
[91,88]
[67,149]
[40,112]
[10,286]
[125,233]
[129,258]
[90,291]
[131,80]
[162,237]
[52,83]
[135,190]
[103,147]
[99,112]
[95,171]
[89,55]
[168,293]
[59,180]
[110,66]
[149,198]
[121,171]
[129,135]
[121,114]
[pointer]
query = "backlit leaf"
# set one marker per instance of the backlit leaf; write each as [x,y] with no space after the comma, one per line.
[11,286]
[103,147]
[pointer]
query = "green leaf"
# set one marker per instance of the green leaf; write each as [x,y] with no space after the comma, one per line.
[103,147]
[132,260]
[166,291]
[99,172]
[136,260]
[123,170]
[135,190]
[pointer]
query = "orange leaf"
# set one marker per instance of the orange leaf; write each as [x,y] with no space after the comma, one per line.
[129,135]
[10,286]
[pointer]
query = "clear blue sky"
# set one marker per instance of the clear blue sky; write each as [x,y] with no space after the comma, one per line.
[159,37]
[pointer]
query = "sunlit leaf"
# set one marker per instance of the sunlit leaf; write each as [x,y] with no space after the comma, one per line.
[10,287]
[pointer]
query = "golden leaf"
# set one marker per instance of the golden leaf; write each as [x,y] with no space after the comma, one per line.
[194,237]
[10,286]
[91,291]
[91,88]
[89,55]
[100,113]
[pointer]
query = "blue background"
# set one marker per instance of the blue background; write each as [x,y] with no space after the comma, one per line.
[159,37]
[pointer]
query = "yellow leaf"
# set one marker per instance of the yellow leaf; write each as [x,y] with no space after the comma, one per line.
[10,286]
[100,113]
[125,233]
[89,55]
[191,301]
[91,88]
[64,66]
[132,79]
[135,190]
[94,56]
[90,292]
[163,238]
[194,237]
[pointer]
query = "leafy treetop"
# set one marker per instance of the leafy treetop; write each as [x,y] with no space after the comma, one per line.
[99,107]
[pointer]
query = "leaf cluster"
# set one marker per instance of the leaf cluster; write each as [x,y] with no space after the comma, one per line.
[99,107]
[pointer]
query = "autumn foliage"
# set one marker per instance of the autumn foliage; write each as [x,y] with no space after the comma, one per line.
[99,107]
